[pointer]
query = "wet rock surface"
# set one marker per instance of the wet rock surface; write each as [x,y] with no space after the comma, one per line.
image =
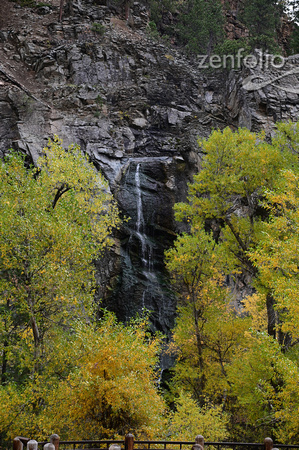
[136,107]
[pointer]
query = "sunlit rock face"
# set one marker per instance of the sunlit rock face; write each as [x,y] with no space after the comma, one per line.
[137,108]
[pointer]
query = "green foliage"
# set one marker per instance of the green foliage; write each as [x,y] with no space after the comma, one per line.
[246,194]
[294,44]
[264,42]
[207,332]
[99,102]
[265,382]
[237,166]
[160,7]
[198,25]
[55,220]
[229,49]
[98,28]
[205,345]
[276,255]
[189,418]
[261,17]
[253,377]
[152,29]
[201,26]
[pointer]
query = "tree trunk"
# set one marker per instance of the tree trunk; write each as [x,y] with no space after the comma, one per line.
[4,363]
[5,346]
[274,330]
[271,315]
[199,345]
[36,336]
[61,10]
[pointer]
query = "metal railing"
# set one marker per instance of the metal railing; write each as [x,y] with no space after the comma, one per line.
[130,444]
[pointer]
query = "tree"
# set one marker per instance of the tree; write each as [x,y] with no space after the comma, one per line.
[206,333]
[189,418]
[226,194]
[261,17]
[294,43]
[242,213]
[115,390]
[202,25]
[54,221]
[257,379]
[276,254]
[108,389]
[292,10]
[198,25]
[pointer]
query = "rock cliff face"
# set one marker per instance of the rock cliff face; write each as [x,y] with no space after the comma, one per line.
[136,107]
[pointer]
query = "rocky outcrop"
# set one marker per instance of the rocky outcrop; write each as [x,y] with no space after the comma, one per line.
[136,107]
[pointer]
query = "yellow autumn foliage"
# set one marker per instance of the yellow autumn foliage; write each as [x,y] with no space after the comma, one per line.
[100,383]
[242,212]
[55,219]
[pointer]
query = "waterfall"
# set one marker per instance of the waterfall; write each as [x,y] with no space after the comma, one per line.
[140,220]
[146,245]
[143,283]
[152,289]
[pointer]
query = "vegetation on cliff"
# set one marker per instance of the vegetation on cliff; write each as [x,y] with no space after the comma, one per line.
[236,362]
[243,215]
[54,220]
[200,25]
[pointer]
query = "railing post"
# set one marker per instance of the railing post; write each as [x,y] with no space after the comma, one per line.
[268,443]
[129,442]
[54,439]
[115,447]
[32,445]
[18,442]
[196,447]
[200,440]
[49,446]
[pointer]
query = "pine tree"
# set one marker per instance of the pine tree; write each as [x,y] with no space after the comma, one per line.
[202,25]
[261,17]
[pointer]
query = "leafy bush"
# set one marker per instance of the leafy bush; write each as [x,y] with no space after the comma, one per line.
[98,28]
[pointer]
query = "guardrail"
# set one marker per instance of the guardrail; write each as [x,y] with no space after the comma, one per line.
[130,444]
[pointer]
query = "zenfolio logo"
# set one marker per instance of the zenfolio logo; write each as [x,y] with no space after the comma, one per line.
[261,61]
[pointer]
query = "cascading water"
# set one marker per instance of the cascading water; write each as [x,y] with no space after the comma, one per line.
[140,220]
[152,289]
[146,195]
[143,283]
